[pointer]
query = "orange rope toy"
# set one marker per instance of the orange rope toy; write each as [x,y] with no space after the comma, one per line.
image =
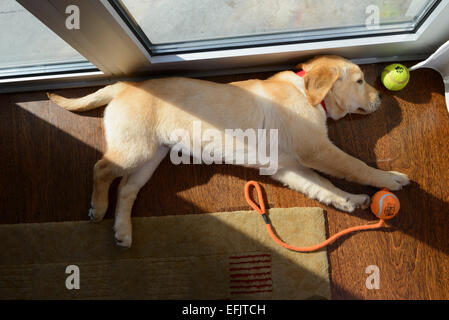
[387,211]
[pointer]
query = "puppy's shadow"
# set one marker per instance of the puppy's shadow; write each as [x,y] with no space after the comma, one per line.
[416,91]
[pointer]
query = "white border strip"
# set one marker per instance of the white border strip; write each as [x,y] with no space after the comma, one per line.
[52,76]
[331,44]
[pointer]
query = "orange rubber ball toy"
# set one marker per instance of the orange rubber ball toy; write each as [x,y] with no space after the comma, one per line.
[384,204]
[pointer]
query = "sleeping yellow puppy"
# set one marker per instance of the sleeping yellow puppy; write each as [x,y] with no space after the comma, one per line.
[141,117]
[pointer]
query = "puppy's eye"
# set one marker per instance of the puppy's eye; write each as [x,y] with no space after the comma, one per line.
[360,81]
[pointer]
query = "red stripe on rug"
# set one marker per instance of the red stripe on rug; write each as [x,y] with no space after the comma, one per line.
[253,261]
[251,256]
[248,292]
[241,275]
[251,280]
[250,268]
[252,286]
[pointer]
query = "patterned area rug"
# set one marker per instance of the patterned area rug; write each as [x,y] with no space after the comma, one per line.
[226,255]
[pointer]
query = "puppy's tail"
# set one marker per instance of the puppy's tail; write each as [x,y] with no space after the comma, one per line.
[91,101]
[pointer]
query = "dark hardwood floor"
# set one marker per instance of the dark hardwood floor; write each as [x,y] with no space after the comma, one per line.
[47,155]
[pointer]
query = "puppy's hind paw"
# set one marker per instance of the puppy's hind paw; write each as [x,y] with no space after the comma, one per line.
[123,241]
[92,215]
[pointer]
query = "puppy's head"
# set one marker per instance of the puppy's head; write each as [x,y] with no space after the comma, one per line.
[342,83]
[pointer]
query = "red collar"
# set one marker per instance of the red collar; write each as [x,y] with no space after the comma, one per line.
[302,73]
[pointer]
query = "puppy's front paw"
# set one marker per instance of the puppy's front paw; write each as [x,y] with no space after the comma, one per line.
[352,202]
[394,180]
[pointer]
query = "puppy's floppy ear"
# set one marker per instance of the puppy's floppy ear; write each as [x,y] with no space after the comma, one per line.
[318,81]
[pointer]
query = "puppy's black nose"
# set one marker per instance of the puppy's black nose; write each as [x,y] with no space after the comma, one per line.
[380,96]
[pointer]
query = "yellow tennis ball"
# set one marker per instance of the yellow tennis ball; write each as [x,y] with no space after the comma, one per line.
[395,77]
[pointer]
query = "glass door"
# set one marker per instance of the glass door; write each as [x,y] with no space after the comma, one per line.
[166,26]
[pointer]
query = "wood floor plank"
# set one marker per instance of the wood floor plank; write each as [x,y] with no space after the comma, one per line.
[47,155]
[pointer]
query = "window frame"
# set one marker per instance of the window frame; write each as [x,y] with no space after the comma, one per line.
[123,56]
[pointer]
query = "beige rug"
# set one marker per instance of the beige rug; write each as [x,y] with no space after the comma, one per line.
[206,256]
